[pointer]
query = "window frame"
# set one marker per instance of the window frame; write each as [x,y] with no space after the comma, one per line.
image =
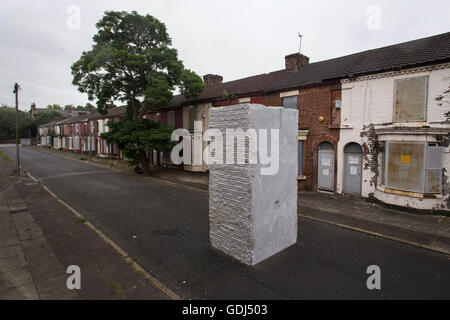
[290,97]
[300,157]
[171,120]
[427,146]
[432,147]
[396,81]
[386,176]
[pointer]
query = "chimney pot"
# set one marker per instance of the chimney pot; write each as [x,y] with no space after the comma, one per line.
[294,61]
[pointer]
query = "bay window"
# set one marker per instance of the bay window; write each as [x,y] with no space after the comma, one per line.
[413,167]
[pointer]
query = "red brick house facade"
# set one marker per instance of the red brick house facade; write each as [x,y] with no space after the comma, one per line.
[314,89]
[319,122]
[319,119]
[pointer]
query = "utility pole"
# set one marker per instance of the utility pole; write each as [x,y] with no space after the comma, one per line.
[16,91]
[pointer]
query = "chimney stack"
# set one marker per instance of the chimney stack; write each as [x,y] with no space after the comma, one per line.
[212,80]
[33,110]
[294,61]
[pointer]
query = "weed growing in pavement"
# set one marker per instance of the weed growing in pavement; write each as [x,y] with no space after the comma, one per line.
[115,287]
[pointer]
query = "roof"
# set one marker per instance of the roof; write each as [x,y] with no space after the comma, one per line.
[238,87]
[49,124]
[113,112]
[116,111]
[426,51]
[62,121]
[55,122]
[431,50]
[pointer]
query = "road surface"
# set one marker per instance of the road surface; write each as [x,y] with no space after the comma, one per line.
[165,228]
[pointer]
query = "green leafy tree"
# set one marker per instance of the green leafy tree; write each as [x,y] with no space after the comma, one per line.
[43,118]
[89,107]
[134,137]
[46,117]
[8,124]
[54,107]
[131,61]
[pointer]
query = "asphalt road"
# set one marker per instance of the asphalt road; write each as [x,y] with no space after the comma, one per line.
[165,228]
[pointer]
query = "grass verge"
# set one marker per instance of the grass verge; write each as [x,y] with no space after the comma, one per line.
[4,156]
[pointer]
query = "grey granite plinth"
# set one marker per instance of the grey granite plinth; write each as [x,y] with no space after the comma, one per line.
[252,215]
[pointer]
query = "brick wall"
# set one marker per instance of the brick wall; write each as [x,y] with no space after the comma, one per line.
[259,99]
[318,114]
[273,100]
[313,103]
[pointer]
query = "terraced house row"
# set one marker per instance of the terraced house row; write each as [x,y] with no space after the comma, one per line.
[82,133]
[371,124]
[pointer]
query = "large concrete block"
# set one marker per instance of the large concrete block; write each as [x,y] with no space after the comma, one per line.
[254,215]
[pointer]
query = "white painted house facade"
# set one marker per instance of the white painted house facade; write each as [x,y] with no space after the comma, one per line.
[393,144]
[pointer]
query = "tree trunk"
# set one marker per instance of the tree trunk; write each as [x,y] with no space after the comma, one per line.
[144,162]
[135,110]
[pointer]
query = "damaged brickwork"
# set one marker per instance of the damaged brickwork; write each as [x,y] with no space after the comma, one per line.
[445,189]
[444,141]
[444,99]
[371,149]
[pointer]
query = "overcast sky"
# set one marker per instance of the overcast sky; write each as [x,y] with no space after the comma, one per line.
[40,40]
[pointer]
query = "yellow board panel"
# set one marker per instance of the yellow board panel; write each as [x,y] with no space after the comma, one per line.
[405,159]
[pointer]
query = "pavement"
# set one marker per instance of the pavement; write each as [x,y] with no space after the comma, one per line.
[40,238]
[164,226]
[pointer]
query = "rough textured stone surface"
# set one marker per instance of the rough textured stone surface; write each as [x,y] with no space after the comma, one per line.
[254,216]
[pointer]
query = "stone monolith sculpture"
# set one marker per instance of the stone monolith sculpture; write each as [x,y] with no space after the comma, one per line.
[253,206]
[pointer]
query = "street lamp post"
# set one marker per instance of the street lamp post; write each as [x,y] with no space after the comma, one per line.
[16,91]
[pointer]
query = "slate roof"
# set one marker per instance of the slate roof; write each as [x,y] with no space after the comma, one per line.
[426,51]
[55,122]
[79,118]
[116,111]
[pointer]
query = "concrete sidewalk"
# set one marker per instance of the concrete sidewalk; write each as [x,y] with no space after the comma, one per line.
[40,238]
[426,231]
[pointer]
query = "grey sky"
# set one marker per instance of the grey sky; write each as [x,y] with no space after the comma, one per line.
[232,38]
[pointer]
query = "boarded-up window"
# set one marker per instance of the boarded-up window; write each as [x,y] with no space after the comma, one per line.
[171,118]
[191,116]
[410,99]
[405,166]
[76,143]
[300,158]
[93,144]
[166,156]
[413,166]
[290,102]
[434,170]
[383,162]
